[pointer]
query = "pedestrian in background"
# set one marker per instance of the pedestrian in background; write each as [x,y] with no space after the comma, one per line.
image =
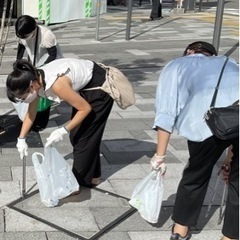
[64,80]
[39,41]
[156,12]
[41,46]
[184,93]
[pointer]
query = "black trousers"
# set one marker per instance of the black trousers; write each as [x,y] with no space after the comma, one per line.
[194,183]
[156,9]
[86,138]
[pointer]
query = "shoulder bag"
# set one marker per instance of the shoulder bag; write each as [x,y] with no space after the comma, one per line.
[223,121]
[117,86]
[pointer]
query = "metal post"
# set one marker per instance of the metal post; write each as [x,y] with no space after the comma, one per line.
[3,20]
[97,20]
[218,24]
[3,41]
[19,7]
[200,5]
[129,19]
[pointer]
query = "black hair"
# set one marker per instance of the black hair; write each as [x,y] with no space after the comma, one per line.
[201,47]
[18,81]
[24,25]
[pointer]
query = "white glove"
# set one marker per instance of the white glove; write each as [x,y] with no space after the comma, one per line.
[22,147]
[56,136]
[157,163]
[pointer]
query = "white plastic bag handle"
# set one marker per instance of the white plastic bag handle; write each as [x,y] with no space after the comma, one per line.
[35,159]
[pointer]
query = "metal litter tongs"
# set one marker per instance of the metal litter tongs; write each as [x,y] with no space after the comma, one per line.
[23,192]
[223,200]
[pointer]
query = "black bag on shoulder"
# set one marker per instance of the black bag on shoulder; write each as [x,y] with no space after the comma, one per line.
[223,121]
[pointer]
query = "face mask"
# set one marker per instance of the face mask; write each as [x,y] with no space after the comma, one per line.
[28,37]
[30,97]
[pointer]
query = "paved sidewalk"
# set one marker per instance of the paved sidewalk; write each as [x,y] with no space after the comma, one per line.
[128,142]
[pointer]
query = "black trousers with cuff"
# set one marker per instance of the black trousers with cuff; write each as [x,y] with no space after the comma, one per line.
[194,183]
[86,138]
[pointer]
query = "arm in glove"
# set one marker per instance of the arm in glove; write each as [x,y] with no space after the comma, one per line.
[22,147]
[157,163]
[56,136]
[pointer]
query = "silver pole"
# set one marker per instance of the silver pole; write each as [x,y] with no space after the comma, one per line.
[97,20]
[3,19]
[129,19]
[200,5]
[218,24]
[3,41]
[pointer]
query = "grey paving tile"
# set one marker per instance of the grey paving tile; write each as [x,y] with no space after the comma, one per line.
[23,235]
[133,124]
[17,173]
[10,191]
[105,216]
[146,107]
[115,236]
[112,135]
[60,236]
[179,144]
[139,135]
[128,157]
[163,235]
[5,174]
[123,171]
[1,220]
[137,223]
[17,222]
[129,145]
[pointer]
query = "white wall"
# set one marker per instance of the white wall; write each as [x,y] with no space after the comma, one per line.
[62,10]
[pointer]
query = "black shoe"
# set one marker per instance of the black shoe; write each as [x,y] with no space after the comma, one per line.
[153,19]
[176,236]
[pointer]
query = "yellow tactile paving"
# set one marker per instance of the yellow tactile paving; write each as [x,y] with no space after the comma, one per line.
[231,21]
[228,20]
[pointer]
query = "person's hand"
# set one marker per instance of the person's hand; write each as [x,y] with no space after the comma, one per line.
[226,167]
[157,163]
[56,136]
[22,147]
[225,171]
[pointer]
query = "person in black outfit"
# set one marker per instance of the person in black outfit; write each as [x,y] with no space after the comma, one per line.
[156,13]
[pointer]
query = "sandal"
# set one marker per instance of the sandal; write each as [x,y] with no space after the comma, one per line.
[74,193]
[177,236]
[96,181]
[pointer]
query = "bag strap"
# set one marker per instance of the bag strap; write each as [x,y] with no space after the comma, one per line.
[218,83]
[89,89]
[35,48]
[99,87]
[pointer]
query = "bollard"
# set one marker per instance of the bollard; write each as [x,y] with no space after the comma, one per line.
[129,20]
[97,19]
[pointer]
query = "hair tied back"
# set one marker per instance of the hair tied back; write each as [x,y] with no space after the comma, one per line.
[21,64]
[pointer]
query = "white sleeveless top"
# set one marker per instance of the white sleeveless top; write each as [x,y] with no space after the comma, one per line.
[79,71]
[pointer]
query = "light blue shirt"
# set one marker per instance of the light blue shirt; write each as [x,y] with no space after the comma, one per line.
[185,90]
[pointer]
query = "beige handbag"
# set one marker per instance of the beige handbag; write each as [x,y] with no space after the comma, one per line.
[117,86]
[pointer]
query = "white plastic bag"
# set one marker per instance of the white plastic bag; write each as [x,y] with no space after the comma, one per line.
[147,196]
[55,178]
